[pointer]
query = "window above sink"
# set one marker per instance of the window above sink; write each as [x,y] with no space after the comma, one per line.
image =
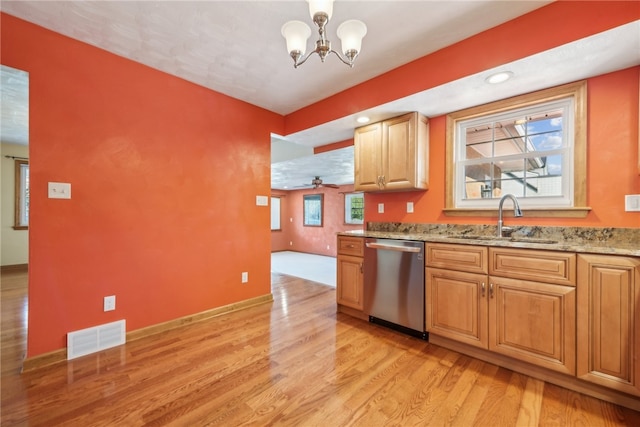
[532,146]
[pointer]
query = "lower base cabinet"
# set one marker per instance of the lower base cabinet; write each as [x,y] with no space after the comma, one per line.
[349,284]
[570,319]
[609,321]
[531,321]
[349,280]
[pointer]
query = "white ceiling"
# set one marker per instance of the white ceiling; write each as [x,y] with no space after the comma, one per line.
[235,47]
[14,114]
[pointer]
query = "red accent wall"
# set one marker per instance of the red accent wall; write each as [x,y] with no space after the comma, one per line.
[312,240]
[164,175]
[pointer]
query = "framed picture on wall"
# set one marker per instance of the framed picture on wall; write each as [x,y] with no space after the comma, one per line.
[354,208]
[312,210]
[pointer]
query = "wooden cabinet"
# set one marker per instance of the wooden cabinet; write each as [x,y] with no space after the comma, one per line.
[533,322]
[456,306]
[609,321]
[392,155]
[349,283]
[456,279]
[503,311]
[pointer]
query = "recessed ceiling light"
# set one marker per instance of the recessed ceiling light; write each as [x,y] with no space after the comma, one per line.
[500,77]
[363,119]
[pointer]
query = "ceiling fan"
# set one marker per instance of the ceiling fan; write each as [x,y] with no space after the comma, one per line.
[317,182]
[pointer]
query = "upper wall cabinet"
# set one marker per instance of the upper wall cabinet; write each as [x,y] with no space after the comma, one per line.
[393,155]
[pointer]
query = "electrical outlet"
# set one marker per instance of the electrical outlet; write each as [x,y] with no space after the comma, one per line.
[380,207]
[632,203]
[110,303]
[245,276]
[409,207]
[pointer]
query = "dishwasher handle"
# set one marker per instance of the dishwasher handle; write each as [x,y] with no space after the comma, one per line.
[389,247]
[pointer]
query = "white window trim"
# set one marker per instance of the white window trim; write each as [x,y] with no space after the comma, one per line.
[566,200]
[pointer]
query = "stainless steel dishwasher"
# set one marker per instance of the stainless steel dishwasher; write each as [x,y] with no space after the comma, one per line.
[394,284]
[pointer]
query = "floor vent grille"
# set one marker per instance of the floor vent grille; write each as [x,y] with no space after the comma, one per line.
[91,340]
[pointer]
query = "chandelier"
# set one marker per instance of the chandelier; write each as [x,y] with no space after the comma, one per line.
[349,32]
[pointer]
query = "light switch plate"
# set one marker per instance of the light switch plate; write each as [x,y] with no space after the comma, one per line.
[632,203]
[59,190]
[262,201]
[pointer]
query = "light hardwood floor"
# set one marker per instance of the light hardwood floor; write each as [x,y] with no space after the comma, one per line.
[293,362]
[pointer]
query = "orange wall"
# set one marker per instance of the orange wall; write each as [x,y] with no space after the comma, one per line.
[612,165]
[312,240]
[164,177]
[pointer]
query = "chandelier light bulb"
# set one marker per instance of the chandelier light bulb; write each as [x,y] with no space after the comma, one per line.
[323,6]
[351,33]
[296,33]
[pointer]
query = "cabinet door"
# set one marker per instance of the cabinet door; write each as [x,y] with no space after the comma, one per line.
[349,282]
[404,153]
[367,157]
[609,321]
[533,322]
[456,306]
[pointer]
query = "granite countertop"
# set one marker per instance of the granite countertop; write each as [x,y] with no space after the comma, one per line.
[615,241]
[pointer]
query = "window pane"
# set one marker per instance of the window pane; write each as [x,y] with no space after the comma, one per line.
[479,141]
[523,150]
[478,180]
[21,219]
[354,208]
[549,186]
[275,213]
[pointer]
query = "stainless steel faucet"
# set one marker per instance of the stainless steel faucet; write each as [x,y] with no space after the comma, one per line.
[516,211]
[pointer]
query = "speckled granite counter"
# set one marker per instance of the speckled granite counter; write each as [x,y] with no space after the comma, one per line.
[609,240]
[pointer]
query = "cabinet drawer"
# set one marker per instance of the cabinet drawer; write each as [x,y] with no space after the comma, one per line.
[351,246]
[540,266]
[472,259]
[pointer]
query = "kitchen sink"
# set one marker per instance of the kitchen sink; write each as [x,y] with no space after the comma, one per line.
[514,239]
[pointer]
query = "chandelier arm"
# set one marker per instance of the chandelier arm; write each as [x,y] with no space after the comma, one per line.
[349,63]
[296,64]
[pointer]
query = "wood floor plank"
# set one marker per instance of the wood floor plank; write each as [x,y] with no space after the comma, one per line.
[290,362]
[529,414]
